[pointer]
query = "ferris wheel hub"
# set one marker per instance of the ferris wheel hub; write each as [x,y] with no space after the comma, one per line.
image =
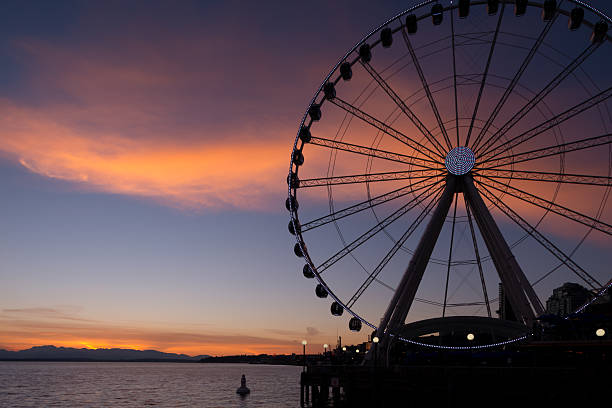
[460,160]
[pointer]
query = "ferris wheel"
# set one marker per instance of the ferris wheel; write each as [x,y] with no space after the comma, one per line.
[456,165]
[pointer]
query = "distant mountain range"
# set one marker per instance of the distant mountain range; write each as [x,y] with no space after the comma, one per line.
[83,354]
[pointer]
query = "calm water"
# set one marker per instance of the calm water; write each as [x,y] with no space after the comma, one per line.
[50,384]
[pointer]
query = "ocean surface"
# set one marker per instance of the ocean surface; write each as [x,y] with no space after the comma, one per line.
[58,384]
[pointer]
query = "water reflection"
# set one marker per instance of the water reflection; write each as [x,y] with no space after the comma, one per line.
[52,384]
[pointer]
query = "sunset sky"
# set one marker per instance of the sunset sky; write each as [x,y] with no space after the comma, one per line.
[144,148]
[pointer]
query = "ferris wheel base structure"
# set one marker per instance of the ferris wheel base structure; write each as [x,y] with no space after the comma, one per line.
[497,329]
[523,299]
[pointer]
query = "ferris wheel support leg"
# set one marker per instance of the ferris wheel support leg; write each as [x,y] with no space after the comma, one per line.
[519,291]
[404,295]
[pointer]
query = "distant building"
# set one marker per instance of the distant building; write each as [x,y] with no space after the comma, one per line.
[505,311]
[567,298]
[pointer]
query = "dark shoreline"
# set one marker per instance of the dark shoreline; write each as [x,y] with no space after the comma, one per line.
[117,355]
[91,360]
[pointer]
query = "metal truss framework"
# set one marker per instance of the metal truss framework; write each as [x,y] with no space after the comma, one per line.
[523,298]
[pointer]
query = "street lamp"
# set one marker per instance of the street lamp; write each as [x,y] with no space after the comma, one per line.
[375,340]
[470,336]
[600,332]
[357,351]
[325,346]
[304,343]
[344,348]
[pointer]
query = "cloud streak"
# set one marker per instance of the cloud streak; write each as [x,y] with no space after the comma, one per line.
[19,333]
[189,175]
[159,122]
[44,312]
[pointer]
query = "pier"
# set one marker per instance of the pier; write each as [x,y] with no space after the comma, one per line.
[450,386]
[556,375]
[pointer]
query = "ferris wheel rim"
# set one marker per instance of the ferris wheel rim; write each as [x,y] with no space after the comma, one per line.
[299,238]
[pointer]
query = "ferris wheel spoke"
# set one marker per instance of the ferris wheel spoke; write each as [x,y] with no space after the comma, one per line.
[549,205]
[369,178]
[393,251]
[540,238]
[452,20]
[548,124]
[404,108]
[584,237]
[477,38]
[546,152]
[383,127]
[450,255]
[548,177]
[432,102]
[525,109]
[477,254]
[376,229]
[371,152]
[515,79]
[369,203]
[484,74]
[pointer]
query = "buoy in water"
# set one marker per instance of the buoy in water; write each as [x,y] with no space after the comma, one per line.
[243,389]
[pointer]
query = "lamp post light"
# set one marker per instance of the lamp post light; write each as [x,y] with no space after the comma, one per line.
[375,340]
[325,346]
[600,332]
[344,348]
[470,336]
[304,343]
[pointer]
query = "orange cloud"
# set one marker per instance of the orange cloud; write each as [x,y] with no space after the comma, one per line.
[148,120]
[133,120]
[190,175]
